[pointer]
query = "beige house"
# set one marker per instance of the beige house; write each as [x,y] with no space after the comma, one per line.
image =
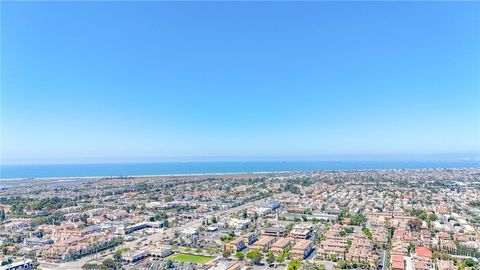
[264,243]
[302,249]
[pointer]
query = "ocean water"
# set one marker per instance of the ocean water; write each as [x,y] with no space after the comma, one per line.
[135,169]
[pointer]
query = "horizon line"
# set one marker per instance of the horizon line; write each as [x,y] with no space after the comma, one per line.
[435,158]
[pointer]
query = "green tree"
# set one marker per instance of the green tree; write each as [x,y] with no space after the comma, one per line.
[414,224]
[255,256]
[320,267]
[7,261]
[109,264]
[333,257]
[244,214]
[88,266]
[357,220]
[289,228]
[367,233]
[226,254]
[423,216]
[349,244]
[294,265]
[411,248]
[118,256]
[240,256]
[470,262]
[342,264]
[270,257]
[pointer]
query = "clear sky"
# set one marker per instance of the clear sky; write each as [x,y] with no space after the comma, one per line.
[129,81]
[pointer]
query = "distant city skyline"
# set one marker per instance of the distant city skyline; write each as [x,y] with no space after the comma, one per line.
[211,81]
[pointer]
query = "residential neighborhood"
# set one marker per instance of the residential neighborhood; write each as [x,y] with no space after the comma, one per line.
[422,219]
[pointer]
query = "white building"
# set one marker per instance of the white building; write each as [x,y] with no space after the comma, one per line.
[189,235]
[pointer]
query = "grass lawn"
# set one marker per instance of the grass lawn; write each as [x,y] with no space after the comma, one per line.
[186,257]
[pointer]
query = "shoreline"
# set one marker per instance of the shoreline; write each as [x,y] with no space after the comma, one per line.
[28,182]
[23,182]
[106,177]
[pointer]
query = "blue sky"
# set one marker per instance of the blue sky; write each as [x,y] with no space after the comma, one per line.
[125,81]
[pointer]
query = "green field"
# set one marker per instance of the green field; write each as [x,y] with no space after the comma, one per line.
[186,257]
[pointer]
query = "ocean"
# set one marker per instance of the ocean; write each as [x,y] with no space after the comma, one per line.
[167,168]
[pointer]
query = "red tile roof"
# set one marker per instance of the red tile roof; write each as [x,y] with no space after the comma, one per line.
[397,261]
[423,252]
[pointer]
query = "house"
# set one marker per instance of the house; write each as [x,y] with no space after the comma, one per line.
[397,262]
[379,236]
[422,263]
[235,245]
[423,252]
[332,246]
[66,247]
[264,243]
[422,260]
[399,247]
[274,232]
[302,249]
[95,220]
[360,250]
[189,235]
[278,247]
[302,231]
[250,238]
[445,265]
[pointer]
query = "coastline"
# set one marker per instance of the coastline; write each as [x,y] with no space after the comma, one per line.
[29,172]
[70,178]
[25,182]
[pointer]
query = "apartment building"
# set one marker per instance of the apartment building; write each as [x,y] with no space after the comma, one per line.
[264,243]
[302,249]
[280,245]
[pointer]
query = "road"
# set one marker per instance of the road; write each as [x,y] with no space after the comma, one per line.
[77,264]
